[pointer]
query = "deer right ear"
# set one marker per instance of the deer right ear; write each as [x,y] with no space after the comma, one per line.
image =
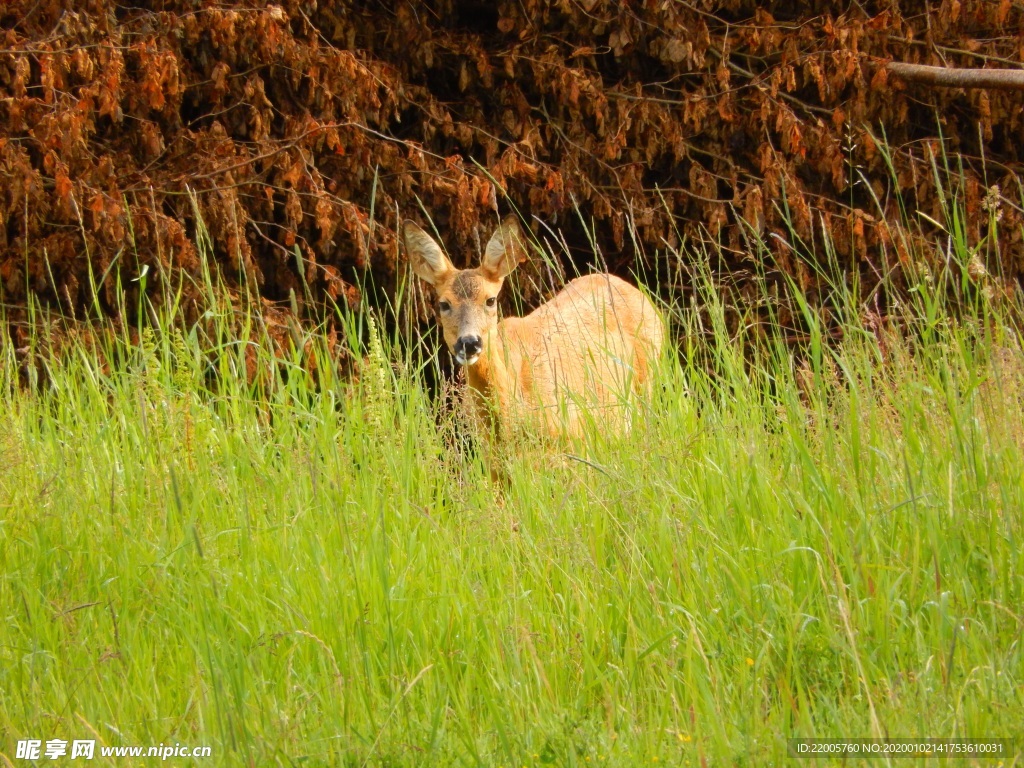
[504,250]
[428,260]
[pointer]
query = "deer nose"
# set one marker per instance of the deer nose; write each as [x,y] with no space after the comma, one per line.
[467,347]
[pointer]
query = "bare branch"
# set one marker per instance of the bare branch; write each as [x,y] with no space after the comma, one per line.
[948,77]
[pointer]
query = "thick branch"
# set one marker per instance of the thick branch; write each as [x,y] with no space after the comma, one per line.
[948,77]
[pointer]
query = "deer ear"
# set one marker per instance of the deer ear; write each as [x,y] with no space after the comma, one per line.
[428,260]
[505,250]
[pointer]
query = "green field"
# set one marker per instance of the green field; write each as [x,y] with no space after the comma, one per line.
[821,541]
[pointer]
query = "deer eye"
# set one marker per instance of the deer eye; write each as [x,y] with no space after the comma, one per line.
[492,301]
[444,306]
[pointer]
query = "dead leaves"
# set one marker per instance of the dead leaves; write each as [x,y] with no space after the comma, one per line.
[290,122]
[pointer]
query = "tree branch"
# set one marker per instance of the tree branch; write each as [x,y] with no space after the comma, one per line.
[948,77]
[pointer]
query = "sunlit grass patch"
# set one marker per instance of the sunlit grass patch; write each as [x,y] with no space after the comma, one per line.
[212,539]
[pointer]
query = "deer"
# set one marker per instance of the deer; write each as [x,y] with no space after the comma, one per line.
[577,357]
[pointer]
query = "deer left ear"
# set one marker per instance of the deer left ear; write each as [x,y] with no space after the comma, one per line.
[428,260]
[504,251]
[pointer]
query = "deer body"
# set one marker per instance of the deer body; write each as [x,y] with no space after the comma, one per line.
[582,353]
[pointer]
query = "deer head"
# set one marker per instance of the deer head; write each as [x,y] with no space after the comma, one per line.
[467,299]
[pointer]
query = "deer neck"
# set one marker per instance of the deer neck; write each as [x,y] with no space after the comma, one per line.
[490,377]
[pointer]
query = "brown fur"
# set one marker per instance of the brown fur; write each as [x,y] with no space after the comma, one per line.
[584,352]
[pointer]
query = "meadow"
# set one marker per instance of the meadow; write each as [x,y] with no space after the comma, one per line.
[308,568]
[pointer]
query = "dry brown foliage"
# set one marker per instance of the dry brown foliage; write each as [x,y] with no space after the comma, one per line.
[290,122]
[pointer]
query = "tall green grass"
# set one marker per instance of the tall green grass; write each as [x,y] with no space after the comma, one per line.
[204,543]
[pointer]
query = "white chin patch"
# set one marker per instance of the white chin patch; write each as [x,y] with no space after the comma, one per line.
[461,360]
